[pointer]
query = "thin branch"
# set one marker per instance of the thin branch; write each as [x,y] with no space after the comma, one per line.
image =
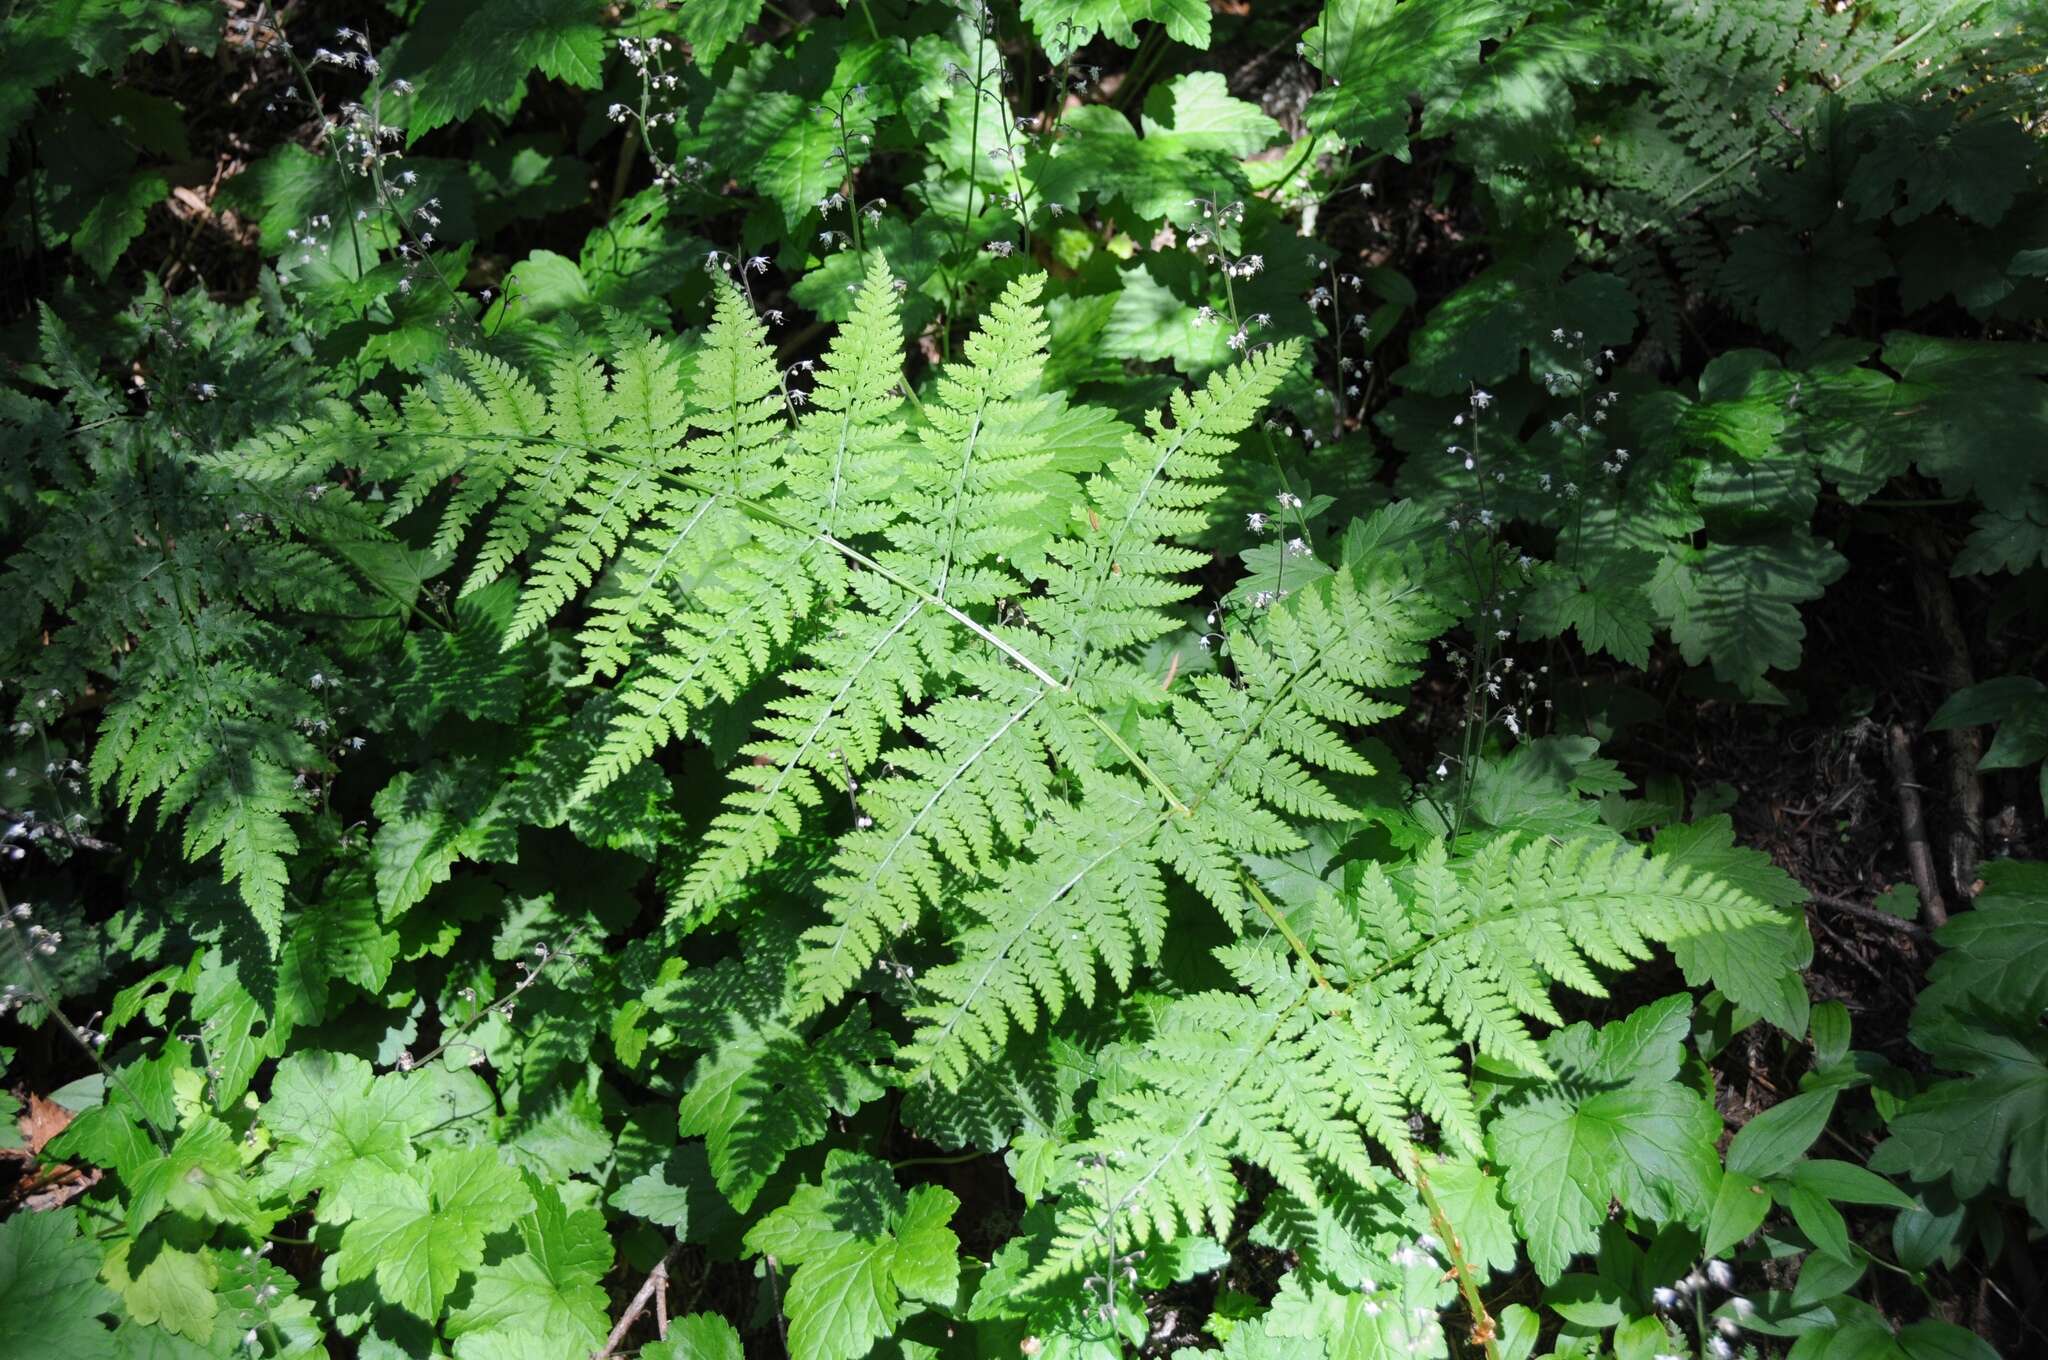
[1913,825]
[657,1280]
[1857,909]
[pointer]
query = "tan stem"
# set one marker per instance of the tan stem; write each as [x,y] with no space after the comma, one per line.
[1485,1331]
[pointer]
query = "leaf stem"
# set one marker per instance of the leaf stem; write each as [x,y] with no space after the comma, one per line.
[1484,1330]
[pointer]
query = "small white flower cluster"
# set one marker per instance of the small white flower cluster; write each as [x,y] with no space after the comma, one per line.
[1080,78]
[1224,214]
[644,56]
[644,52]
[1728,1324]
[354,54]
[40,940]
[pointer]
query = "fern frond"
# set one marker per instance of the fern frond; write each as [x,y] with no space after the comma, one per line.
[842,461]
[737,623]
[975,785]
[750,580]
[1090,895]
[859,679]
[547,474]
[968,489]
[1111,581]
[1266,1076]
[968,494]
[203,725]
[1339,1035]
[1238,755]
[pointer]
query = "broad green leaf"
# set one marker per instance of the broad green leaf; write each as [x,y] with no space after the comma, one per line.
[431,819]
[1604,604]
[712,25]
[165,1285]
[1822,1276]
[1471,1199]
[1933,1339]
[1985,1129]
[1848,1183]
[769,1091]
[1617,1126]
[696,1336]
[464,57]
[51,1299]
[552,1287]
[1800,284]
[926,1265]
[841,1301]
[1379,53]
[1198,112]
[337,938]
[2011,536]
[116,218]
[861,1248]
[340,1128]
[1524,303]
[200,1177]
[1979,414]
[1995,955]
[653,1197]
[1737,604]
[1820,1220]
[1980,705]
[232,1018]
[419,1233]
[1740,1206]
[1773,1140]
[1064,25]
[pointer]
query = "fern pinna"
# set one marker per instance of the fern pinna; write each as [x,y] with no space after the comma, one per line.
[949,617]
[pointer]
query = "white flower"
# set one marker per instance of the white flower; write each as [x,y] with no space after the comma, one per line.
[1255,521]
[1717,1270]
[1482,399]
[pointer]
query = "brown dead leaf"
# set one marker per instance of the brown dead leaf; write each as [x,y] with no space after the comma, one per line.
[44,1120]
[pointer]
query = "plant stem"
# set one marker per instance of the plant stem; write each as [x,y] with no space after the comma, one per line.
[1485,1332]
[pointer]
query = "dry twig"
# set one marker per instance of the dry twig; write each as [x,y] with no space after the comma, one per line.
[656,1281]
[1913,824]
